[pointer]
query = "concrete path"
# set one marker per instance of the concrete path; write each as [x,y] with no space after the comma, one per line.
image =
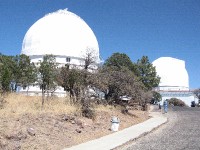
[121,137]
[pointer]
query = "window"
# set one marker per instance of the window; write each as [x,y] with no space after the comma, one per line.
[68,59]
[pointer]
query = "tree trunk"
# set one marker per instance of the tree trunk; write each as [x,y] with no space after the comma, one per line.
[43,96]
[47,95]
[27,90]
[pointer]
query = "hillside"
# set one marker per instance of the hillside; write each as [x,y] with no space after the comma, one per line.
[23,125]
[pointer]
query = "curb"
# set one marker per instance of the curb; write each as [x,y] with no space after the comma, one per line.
[120,138]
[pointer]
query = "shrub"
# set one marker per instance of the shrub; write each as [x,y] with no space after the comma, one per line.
[88,113]
[176,102]
[87,109]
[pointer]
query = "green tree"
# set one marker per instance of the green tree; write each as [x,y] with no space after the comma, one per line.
[115,83]
[72,80]
[8,69]
[120,77]
[147,73]
[176,102]
[47,75]
[76,82]
[156,97]
[27,74]
[119,60]
[5,79]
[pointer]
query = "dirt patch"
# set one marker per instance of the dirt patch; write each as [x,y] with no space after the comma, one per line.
[50,131]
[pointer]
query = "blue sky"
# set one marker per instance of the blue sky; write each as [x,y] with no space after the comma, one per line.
[154,28]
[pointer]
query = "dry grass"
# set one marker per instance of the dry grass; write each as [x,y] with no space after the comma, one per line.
[18,104]
[106,108]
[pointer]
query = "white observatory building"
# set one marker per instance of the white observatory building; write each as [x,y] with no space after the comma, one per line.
[64,35]
[174,82]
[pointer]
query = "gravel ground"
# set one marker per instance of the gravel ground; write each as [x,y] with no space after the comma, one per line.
[182,132]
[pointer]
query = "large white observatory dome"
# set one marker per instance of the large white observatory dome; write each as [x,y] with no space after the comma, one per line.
[60,33]
[172,72]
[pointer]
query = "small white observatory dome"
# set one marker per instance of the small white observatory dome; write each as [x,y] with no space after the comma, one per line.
[61,33]
[172,72]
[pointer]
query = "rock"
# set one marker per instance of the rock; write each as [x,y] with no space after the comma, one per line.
[82,127]
[72,117]
[65,118]
[79,122]
[78,130]
[16,136]
[73,122]
[31,131]
[84,123]
[21,136]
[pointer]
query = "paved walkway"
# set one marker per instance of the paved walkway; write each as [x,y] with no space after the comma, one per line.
[182,132]
[121,137]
